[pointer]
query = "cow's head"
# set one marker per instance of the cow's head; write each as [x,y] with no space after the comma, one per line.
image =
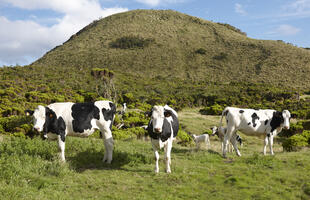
[39,116]
[286,119]
[44,119]
[214,130]
[158,115]
[281,119]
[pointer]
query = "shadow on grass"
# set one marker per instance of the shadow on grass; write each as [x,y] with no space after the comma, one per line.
[91,160]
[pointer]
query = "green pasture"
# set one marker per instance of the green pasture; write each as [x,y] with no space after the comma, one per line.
[30,170]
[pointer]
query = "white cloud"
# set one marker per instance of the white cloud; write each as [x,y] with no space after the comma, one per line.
[297,8]
[239,9]
[284,30]
[23,41]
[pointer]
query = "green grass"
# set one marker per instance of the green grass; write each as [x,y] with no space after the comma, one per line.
[30,170]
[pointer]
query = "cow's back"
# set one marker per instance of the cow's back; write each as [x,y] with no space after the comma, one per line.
[249,121]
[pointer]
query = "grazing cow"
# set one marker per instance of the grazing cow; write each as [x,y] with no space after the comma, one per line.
[220,132]
[204,138]
[163,127]
[76,119]
[267,123]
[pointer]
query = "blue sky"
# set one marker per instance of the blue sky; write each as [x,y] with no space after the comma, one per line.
[30,28]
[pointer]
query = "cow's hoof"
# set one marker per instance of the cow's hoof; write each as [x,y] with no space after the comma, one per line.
[168,171]
[107,161]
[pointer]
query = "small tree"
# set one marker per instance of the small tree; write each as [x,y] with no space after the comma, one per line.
[105,86]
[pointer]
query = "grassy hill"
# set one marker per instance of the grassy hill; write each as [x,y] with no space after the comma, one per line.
[161,56]
[164,45]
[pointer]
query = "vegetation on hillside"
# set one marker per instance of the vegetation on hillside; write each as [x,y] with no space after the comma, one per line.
[147,57]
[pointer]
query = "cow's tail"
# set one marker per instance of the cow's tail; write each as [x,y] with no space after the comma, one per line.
[224,113]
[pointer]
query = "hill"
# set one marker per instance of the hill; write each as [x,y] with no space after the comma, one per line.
[160,56]
[164,44]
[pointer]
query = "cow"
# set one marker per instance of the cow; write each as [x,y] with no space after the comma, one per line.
[163,127]
[267,123]
[75,119]
[220,132]
[204,138]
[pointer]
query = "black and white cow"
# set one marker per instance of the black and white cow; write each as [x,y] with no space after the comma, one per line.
[267,123]
[163,127]
[76,119]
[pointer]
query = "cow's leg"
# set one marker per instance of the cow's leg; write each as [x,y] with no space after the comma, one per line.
[108,145]
[227,136]
[197,145]
[168,148]
[234,142]
[208,143]
[156,157]
[61,146]
[265,144]
[271,144]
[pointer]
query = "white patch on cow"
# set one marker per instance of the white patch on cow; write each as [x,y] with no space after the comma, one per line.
[158,118]
[39,118]
[286,115]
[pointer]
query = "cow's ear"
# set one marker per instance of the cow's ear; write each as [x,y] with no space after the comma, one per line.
[167,113]
[29,112]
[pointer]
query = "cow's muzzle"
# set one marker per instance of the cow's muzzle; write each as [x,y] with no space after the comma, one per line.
[157,130]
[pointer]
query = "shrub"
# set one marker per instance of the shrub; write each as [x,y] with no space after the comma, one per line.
[201,51]
[131,42]
[183,137]
[297,142]
[123,134]
[215,109]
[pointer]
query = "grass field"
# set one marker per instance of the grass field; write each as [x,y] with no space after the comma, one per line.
[30,170]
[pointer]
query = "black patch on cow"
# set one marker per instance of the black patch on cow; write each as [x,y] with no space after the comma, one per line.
[175,125]
[276,121]
[241,111]
[249,123]
[226,112]
[82,114]
[254,117]
[266,122]
[166,129]
[108,114]
[268,135]
[164,135]
[53,124]
[239,139]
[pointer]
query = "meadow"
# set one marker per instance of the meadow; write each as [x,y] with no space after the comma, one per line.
[30,169]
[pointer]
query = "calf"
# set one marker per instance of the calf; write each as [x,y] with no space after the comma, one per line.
[267,123]
[162,128]
[220,132]
[204,138]
[76,119]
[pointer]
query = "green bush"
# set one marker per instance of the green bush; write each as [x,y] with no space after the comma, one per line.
[201,51]
[215,109]
[123,134]
[297,142]
[131,42]
[183,137]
